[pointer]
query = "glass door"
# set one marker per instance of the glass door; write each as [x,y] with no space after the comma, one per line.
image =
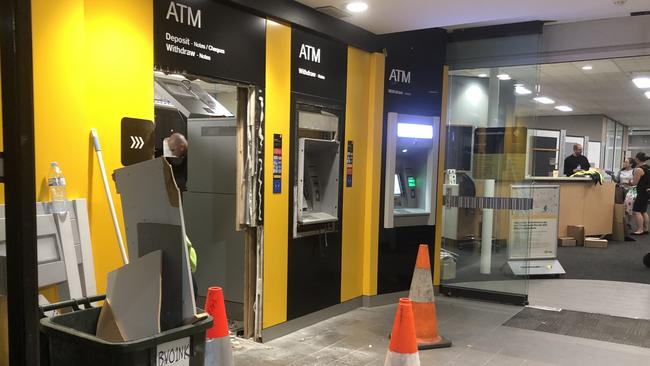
[488,188]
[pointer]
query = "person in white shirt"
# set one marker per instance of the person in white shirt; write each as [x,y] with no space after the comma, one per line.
[624,176]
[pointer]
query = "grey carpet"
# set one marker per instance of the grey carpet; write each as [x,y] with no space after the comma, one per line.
[620,261]
[635,332]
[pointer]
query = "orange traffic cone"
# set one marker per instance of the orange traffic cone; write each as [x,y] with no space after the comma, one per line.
[218,350]
[403,349]
[424,306]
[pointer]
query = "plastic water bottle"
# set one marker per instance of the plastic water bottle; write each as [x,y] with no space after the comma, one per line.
[56,183]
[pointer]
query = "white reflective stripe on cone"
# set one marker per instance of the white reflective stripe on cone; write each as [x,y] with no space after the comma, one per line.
[399,359]
[218,351]
[421,286]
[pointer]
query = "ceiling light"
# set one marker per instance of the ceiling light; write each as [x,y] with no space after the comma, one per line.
[642,82]
[357,7]
[482,75]
[564,108]
[587,67]
[521,90]
[503,77]
[474,94]
[404,150]
[544,100]
[647,94]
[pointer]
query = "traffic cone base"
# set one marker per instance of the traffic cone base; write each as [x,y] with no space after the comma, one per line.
[218,351]
[396,359]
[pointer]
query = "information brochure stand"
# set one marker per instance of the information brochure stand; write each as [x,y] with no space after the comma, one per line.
[532,249]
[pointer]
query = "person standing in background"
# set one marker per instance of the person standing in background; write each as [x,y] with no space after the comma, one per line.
[575,162]
[642,182]
[625,176]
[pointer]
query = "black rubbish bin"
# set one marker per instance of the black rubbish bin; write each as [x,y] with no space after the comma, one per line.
[70,339]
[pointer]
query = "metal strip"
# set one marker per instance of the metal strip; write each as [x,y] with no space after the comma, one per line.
[495,203]
[20,195]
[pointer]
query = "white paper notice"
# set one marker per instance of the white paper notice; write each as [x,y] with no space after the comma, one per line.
[174,353]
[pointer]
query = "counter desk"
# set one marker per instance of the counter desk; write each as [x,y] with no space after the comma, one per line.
[584,203]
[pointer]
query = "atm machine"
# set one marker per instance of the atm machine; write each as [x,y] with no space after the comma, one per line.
[411,170]
[316,186]
[210,202]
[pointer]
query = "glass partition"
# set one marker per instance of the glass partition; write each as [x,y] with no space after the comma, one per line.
[609,146]
[618,146]
[490,153]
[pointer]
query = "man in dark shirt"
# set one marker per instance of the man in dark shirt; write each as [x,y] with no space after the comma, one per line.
[575,162]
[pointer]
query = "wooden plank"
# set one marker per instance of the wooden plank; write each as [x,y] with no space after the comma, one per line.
[134,294]
[250,280]
[242,102]
[167,239]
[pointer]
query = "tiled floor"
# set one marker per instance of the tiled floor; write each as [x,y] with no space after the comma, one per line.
[630,300]
[360,338]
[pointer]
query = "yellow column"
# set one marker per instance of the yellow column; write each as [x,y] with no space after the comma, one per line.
[276,206]
[373,173]
[356,130]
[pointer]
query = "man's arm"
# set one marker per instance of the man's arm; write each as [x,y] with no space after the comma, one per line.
[568,168]
[587,166]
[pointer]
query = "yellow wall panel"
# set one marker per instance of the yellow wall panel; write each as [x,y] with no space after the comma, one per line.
[373,173]
[356,130]
[119,83]
[276,206]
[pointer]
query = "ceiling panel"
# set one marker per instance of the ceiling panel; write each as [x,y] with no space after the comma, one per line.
[606,89]
[387,16]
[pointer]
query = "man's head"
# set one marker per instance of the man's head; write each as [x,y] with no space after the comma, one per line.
[577,149]
[177,144]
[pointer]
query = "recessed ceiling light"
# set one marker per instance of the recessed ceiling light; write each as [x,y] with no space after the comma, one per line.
[522,90]
[647,94]
[357,6]
[642,82]
[544,100]
[482,75]
[503,77]
[587,67]
[564,108]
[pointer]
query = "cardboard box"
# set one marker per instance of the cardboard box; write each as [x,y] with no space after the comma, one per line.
[567,242]
[595,243]
[577,232]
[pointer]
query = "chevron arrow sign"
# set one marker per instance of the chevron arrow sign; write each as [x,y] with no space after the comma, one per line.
[136,142]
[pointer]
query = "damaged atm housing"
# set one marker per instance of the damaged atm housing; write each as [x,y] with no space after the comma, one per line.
[317,182]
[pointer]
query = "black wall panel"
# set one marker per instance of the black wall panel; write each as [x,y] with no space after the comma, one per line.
[187,33]
[413,85]
[314,274]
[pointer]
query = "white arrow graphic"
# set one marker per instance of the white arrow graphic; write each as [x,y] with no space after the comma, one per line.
[137,142]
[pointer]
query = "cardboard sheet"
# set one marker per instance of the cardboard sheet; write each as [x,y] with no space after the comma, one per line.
[134,292]
[107,328]
[167,239]
[149,195]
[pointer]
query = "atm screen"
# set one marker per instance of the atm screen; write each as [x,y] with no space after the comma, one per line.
[397,186]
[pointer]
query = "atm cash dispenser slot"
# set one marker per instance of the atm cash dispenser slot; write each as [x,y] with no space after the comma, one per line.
[316,202]
[411,161]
